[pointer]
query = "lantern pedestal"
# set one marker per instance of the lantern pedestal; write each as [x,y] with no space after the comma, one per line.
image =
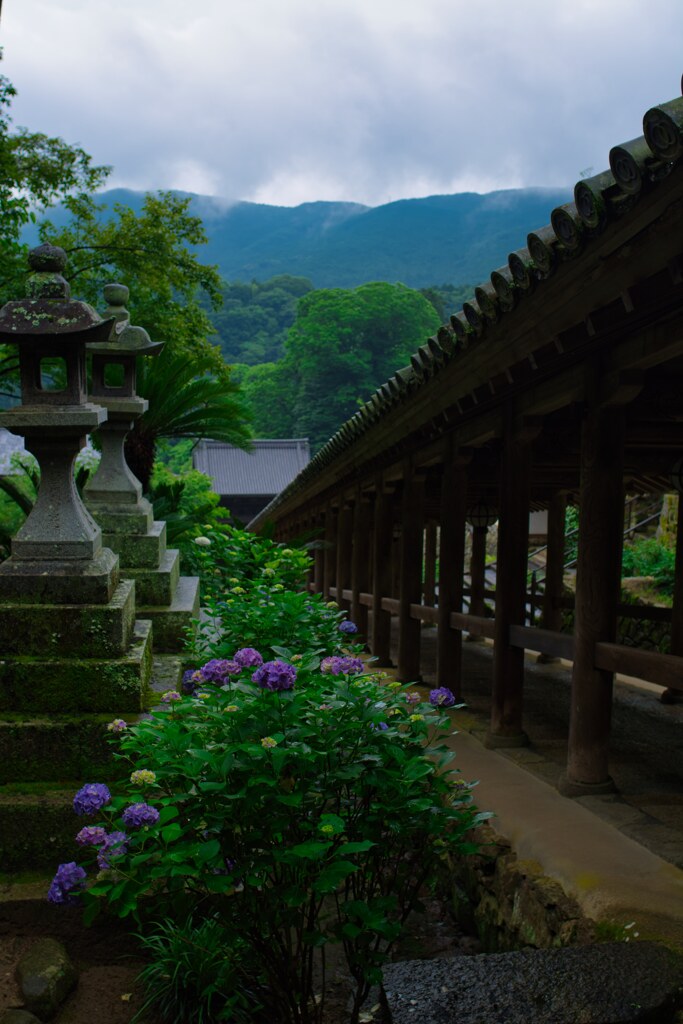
[72,655]
[114,494]
[170,601]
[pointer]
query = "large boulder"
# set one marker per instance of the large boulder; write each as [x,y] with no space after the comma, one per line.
[45,976]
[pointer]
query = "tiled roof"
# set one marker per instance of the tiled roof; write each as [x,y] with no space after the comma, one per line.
[637,168]
[269,467]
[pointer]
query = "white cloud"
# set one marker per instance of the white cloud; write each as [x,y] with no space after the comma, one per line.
[346,99]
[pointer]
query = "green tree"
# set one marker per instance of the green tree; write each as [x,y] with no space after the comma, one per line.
[343,345]
[36,170]
[152,253]
[267,393]
[186,399]
[254,319]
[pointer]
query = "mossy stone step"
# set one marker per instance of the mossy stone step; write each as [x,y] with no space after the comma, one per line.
[69,630]
[38,825]
[44,685]
[139,551]
[172,622]
[157,586]
[40,749]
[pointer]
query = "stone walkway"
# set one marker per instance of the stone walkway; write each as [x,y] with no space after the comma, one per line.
[621,854]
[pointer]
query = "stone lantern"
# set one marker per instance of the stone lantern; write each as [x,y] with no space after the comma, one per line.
[60,544]
[114,495]
[114,490]
[72,653]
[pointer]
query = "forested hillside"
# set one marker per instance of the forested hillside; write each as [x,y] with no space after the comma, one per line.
[420,242]
[342,346]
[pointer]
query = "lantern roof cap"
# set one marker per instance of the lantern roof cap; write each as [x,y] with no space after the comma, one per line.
[125,338]
[48,310]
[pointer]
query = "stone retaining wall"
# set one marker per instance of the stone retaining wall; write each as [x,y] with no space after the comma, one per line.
[509,903]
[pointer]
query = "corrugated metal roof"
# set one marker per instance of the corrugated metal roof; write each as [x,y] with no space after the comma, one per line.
[270,466]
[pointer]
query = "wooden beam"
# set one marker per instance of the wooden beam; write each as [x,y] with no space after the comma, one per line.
[545,641]
[663,669]
[475,624]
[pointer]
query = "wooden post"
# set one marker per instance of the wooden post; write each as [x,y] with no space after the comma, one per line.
[511,570]
[451,571]
[676,696]
[318,554]
[554,569]
[598,579]
[360,563]
[344,535]
[382,546]
[330,559]
[429,589]
[478,575]
[410,591]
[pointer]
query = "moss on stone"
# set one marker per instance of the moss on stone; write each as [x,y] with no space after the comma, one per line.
[41,749]
[78,685]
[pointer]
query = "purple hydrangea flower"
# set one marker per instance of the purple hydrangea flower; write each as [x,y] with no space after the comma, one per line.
[442,698]
[348,627]
[91,798]
[67,884]
[190,681]
[275,675]
[380,726]
[341,666]
[219,670]
[138,815]
[91,835]
[247,657]
[114,845]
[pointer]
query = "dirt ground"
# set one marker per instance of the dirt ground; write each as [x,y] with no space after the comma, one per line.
[105,957]
[108,963]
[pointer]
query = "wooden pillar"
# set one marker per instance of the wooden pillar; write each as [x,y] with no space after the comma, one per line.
[319,555]
[429,589]
[451,571]
[410,591]
[551,617]
[676,696]
[382,547]
[330,558]
[511,571]
[344,535]
[598,581]
[360,563]
[478,572]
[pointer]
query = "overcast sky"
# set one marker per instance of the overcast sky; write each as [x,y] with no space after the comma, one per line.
[288,101]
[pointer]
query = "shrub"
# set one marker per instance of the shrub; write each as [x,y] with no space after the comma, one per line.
[646,556]
[225,557]
[189,977]
[303,805]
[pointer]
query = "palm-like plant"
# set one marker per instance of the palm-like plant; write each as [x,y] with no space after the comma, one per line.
[186,399]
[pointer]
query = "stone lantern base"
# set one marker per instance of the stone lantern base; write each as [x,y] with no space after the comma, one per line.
[66,670]
[169,600]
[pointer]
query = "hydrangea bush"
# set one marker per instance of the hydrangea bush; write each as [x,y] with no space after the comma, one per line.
[225,557]
[299,804]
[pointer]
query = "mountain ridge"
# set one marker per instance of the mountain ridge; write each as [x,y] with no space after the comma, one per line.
[456,238]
